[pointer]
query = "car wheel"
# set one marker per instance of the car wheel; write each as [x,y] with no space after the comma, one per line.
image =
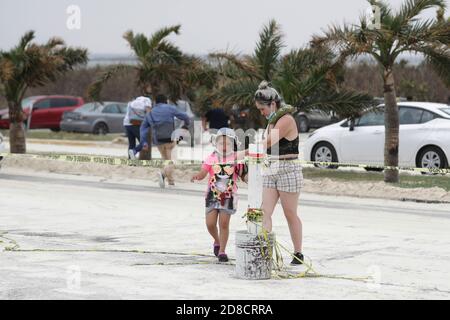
[431,158]
[55,129]
[302,124]
[324,152]
[101,128]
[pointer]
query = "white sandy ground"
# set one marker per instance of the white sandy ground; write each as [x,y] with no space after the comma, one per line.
[404,246]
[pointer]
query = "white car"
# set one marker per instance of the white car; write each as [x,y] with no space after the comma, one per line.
[424,138]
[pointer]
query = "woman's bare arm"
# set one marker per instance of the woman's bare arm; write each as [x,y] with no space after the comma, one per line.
[277,132]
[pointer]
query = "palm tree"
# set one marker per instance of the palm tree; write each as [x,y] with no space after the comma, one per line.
[306,78]
[31,65]
[162,68]
[400,32]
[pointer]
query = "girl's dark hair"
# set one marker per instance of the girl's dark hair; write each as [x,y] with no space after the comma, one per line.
[266,94]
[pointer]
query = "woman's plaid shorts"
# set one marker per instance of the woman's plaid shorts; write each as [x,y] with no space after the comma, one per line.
[283,175]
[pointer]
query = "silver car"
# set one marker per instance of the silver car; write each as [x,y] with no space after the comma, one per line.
[95,118]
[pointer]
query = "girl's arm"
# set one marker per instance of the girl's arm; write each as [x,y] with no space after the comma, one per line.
[200,175]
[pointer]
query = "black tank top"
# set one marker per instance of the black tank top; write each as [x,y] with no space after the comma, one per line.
[285,147]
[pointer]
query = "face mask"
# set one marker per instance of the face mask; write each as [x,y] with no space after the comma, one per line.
[270,116]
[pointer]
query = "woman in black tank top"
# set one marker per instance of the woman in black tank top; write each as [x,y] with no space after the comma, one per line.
[283,178]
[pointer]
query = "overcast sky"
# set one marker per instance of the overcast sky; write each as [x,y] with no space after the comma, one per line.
[207,25]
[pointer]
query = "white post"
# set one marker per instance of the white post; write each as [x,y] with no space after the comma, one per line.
[253,252]
[255,183]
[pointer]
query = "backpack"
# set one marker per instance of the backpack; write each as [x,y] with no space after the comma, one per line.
[136,116]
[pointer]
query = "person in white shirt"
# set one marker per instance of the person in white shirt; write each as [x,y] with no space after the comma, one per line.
[136,111]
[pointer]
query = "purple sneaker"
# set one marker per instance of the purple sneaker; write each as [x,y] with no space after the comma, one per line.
[216,249]
[223,257]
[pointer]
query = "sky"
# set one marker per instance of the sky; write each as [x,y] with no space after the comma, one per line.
[207,25]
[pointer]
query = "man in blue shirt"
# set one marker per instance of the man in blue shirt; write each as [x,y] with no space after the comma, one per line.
[162,116]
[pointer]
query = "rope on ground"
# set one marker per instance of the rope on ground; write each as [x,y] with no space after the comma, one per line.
[280,270]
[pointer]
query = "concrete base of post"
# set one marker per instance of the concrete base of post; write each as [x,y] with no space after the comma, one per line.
[254,255]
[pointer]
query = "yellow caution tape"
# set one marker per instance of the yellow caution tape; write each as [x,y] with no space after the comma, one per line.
[160,162]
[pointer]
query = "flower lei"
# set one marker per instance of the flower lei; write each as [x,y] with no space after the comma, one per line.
[221,196]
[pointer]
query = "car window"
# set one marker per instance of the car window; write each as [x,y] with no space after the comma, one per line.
[373,118]
[28,101]
[88,107]
[410,115]
[446,110]
[123,108]
[427,116]
[42,104]
[58,102]
[111,108]
[71,102]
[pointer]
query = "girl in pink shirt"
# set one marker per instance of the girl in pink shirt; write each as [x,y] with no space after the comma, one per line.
[221,195]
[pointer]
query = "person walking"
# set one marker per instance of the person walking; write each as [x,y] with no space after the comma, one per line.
[221,196]
[283,178]
[134,117]
[161,120]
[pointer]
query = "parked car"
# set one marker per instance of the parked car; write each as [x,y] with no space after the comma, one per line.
[47,111]
[424,138]
[314,119]
[2,148]
[305,120]
[184,106]
[96,118]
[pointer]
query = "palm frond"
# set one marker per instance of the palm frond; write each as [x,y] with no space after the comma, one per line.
[439,59]
[268,49]
[163,33]
[138,43]
[25,40]
[243,65]
[239,92]
[55,42]
[410,9]
[344,103]
[95,89]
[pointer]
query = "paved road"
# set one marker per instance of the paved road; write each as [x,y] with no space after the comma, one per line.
[95,238]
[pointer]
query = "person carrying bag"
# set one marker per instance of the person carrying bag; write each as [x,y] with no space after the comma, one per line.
[134,117]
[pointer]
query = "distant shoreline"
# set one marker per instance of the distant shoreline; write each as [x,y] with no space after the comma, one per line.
[111,59]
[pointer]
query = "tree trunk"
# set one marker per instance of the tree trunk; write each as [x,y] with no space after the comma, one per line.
[16,129]
[392,125]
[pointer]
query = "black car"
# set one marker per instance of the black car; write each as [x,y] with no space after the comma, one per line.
[314,119]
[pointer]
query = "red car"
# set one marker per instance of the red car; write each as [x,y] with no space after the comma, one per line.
[47,111]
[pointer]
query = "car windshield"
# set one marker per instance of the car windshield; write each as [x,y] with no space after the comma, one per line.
[446,110]
[89,107]
[28,101]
